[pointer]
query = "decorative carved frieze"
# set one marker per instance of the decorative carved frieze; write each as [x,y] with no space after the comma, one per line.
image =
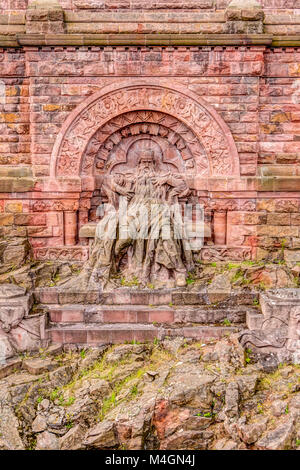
[196,123]
[75,253]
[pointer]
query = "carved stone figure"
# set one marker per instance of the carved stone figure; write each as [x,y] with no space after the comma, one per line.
[142,235]
[277,330]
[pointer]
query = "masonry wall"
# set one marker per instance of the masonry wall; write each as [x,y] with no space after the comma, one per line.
[256,90]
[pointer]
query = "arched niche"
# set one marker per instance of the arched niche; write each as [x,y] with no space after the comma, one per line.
[188,129]
[186,111]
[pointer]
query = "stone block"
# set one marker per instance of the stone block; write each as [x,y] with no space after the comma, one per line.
[38,366]
[46,295]
[6,349]
[88,230]
[66,315]
[6,219]
[27,335]
[75,336]
[9,367]
[254,321]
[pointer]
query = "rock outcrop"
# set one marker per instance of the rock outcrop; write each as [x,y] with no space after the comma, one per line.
[169,395]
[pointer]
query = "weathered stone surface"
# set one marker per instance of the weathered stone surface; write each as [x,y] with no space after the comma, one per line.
[73,440]
[39,424]
[219,289]
[232,400]
[250,433]
[10,317]
[6,349]
[102,436]
[9,291]
[38,366]
[8,367]
[27,335]
[276,331]
[9,434]
[280,438]
[279,407]
[47,441]
[187,404]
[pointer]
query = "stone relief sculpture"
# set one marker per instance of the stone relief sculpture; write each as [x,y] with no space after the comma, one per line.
[277,330]
[142,234]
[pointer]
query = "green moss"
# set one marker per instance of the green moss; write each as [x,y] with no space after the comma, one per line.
[230,266]
[130,282]
[190,279]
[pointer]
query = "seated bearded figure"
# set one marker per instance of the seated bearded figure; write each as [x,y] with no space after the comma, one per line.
[142,232]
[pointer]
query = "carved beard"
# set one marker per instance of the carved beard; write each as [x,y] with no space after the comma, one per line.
[144,188]
[146,172]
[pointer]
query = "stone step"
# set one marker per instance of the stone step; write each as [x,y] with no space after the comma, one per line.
[129,296]
[146,314]
[95,335]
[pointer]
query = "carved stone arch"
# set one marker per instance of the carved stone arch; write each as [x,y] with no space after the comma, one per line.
[155,96]
[160,126]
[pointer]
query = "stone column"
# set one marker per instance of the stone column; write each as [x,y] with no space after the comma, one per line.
[83,218]
[220,221]
[70,227]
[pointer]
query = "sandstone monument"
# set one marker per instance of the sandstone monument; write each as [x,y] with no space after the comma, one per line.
[149,195]
[195,105]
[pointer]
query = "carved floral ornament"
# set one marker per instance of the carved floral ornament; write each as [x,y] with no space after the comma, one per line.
[192,125]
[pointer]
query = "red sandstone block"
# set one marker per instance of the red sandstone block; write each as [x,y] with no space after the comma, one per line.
[58,231]
[295,219]
[56,336]
[55,316]
[115,298]
[145,335]
[99,336]
[284,205]
[78,297]
[279,219]
[118,316]
[66,316]
[207,332]
[121,336]
[140,298]
[46,296]
[161,316]
[248,169]
[237,233]
[36,231]
[39,243]
[75,336]
[160,298]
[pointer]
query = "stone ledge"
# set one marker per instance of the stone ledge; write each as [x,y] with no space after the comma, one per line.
[17,40]
[144,17]
[282,41]
[9,367]
[8,41]
[143,39]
